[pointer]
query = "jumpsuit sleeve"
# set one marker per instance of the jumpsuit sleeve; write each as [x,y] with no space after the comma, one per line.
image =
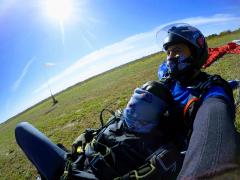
[214,143]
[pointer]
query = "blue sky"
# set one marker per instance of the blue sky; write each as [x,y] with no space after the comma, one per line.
[43,43]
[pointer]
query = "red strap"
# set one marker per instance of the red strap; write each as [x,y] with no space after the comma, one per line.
[188,104]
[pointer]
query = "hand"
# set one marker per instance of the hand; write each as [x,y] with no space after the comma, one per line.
[81,141]
[79,144]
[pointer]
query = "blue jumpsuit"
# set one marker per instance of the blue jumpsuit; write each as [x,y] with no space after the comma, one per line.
[214,144]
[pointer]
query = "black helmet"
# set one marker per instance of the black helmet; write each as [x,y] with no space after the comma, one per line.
[189,35]
[158,89]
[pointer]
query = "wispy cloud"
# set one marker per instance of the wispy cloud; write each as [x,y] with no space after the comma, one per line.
[6,6]
[49,64]
[24,72]
[127,50]
[217,18]
[210,20]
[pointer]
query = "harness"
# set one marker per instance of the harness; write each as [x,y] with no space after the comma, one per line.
[200,93]
[113,149]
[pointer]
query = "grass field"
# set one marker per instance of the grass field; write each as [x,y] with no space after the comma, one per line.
[79,106]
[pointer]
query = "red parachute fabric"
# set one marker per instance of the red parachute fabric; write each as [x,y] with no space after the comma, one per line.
[216,53]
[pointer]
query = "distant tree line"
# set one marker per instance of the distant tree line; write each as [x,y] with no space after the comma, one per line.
[222,33]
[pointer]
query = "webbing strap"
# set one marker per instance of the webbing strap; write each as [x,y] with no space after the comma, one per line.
[187,106]
[145,172]
[99,147]
[67,168]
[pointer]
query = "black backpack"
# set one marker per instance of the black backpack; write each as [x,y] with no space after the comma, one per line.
[112,152]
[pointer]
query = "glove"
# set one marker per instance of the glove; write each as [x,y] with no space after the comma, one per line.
[81,141]
[79,144]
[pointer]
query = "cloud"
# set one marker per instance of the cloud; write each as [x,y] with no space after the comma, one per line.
[217,18]
[129,49]
[49,64]
[104,59]
[24,72]
[6,6]
[201,21]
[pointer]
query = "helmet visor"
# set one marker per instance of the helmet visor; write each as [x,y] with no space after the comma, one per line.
[177,33]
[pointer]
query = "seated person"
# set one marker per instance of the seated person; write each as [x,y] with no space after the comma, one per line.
[206,102]
[146,140]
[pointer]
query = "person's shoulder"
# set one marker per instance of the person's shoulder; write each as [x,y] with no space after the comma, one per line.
[215,86]
[217,92]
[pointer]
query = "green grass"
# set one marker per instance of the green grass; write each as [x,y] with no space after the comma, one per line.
[79,106]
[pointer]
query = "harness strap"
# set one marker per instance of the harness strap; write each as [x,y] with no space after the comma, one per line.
[102,168]
[67,168]
[188,105]
[145,172]
[205,83]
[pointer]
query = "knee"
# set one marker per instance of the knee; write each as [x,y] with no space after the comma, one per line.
[21,129]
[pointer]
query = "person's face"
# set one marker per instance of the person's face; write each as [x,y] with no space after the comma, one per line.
[178,50]
[178,56]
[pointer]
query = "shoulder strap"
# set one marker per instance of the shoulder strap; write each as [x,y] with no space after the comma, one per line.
[204,83]
[216,80]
